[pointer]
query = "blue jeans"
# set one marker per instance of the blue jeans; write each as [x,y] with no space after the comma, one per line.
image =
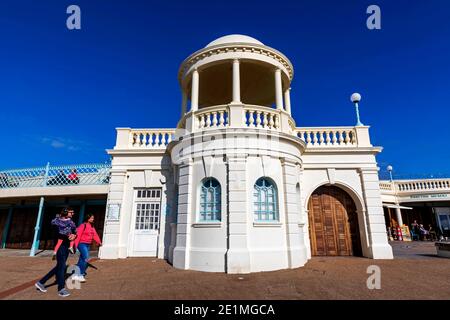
[60,269]
[84,257]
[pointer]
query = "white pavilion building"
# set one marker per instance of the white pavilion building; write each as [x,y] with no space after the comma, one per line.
[237,187]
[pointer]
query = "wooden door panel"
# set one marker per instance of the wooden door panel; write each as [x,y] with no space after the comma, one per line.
[333,223]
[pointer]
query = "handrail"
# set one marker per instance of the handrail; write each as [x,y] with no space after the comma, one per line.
[328,136]
[416,185]
[60,175]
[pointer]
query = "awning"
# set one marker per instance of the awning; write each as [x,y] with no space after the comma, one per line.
[395,206]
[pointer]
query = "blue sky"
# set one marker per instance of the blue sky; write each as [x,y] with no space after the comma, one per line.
[62,93]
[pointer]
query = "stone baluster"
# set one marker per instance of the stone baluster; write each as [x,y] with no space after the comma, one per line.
[163,139]
[221,119]
[271,122]
[341,137]
[315,138]
[144,139]
[334,137]
[251,121]
[266,119]
[347,137]
[321,140]
[327,138]
[208,120]
[353,137]
[258,119]
[308,137]
[202,121]
[215,121]
[277,121]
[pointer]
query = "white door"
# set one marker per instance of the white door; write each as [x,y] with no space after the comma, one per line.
[146,217]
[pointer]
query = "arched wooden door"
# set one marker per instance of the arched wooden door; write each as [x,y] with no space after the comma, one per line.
[333,223]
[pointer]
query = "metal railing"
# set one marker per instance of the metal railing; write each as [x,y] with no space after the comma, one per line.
[56,176]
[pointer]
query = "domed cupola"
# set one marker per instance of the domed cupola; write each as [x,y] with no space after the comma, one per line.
[236,70]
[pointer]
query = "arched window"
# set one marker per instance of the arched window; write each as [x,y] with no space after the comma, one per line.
[265,202]
[210,200]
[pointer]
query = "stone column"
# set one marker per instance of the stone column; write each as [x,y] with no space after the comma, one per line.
[377,246]
[296,249]
[183,103]
[194,90]
[236,82]
[287,100]
[278,90]
[237,256]
[181,250]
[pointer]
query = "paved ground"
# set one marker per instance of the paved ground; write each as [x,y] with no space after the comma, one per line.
[417,273]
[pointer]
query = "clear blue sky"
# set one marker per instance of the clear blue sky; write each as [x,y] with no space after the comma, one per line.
[62,93]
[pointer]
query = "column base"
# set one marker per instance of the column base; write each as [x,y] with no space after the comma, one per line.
[237,261]
[298,257]
[381,252]
[112,252]
[179,258]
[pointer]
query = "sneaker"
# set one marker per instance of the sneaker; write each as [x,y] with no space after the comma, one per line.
[40,287]
[63,293]
[71,250]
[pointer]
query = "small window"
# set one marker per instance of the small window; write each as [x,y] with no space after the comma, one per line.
[210,200]
[265,200]
[149,194]
[148,207]
[147,216]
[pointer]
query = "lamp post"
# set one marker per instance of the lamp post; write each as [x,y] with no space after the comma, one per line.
[389,168]
[355,98]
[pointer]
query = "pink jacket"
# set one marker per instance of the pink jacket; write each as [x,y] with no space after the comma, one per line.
[86,234]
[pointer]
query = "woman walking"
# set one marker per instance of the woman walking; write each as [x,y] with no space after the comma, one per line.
[86,235]
[61,255]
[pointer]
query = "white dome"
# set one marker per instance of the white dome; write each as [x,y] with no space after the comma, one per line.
[234,38]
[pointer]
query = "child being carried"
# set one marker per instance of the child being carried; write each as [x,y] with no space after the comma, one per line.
[65,227]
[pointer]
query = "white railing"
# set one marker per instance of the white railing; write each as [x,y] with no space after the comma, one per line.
[423,185]
[213,117]
[150,138]
[386,186]
[52,176]
[415,186]
[328,137]
[261,117]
